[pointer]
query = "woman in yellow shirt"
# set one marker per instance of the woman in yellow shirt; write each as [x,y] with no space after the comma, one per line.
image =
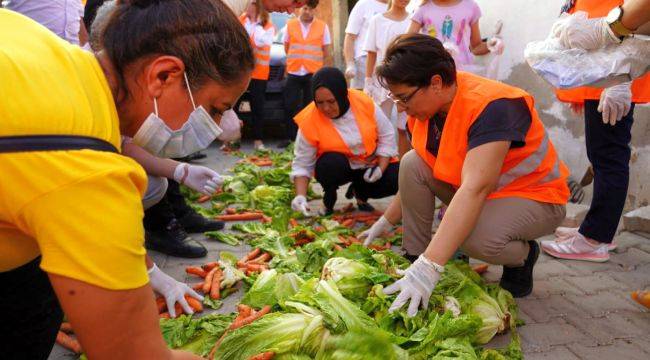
[71,236]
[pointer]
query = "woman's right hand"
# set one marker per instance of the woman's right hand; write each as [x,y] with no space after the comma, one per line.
[416,286]
[380,227]
[299,203]
[199,178]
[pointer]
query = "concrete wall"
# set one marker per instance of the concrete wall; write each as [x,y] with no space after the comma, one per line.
[529,20]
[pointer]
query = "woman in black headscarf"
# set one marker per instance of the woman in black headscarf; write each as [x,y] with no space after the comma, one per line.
[343,137]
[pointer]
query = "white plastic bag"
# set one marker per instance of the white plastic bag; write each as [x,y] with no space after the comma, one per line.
[569,68]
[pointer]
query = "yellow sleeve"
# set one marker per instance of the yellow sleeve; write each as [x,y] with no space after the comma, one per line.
[91,229]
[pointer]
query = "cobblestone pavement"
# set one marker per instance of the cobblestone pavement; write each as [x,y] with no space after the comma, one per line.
[578,310]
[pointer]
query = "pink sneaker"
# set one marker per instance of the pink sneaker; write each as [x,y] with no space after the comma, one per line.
[564,233]
[576,247]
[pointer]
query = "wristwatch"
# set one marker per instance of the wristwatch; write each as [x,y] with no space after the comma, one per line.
[613,19]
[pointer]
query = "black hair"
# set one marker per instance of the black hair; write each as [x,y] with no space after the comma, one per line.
[412,59]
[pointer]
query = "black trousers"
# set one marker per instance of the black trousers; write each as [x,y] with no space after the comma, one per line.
[257,92]
[333,170]
[608,150]
[30,312]
[297,95]
[171,206]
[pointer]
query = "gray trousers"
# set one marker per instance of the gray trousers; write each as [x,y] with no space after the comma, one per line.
[504,225]
[156,189]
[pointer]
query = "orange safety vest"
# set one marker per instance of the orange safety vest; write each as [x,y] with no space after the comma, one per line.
[640,86]
[262,54]
[307,52]
[319,131]
[533,171]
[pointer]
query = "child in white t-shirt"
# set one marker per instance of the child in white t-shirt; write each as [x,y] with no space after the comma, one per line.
[382,30]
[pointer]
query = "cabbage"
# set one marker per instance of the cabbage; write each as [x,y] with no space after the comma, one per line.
[361,345]
[195,335]
[352,278]
[281,333]
[271,288]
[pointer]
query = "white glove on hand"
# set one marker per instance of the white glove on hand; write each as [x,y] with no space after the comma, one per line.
[580,32]
[373,174]
[199,178]
[369,87]
[615,102]
[350,70]
[299,203]
[173,291]
[378,228]
[416,286]
[230,126]
[495,45]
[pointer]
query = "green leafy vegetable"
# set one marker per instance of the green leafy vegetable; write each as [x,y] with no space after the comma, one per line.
[222,237]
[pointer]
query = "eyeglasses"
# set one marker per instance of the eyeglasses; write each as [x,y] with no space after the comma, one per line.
[404,99]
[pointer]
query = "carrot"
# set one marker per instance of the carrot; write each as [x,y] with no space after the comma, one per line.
[319,228]
[231,211]
[263,356]
[194,303]
[197,287]
[376,247]
[266,219]
[66,327]
[480,269]
[245,216]
[349,223]
[253,254]
[261,259]
[249,319]
[263,163]
[195,270]
[216,284]
[293,222]
[239,322]
[348,208]
[204,198]
[244,310]
[399,230]
[256,267]
[207,284]
[642,297]
[354,240]
[161,304]
[241,264]
[165,315]
[338,247]
[302,242]
[69,343]
[209,266]
[179,309]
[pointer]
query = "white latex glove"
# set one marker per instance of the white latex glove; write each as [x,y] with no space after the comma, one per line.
[230,126]
[615,102]
[372,174]
[580,32]
[199,178]
[378,228]
[495,45]
[173,291]
[299,203]
[416,286]
[350,70]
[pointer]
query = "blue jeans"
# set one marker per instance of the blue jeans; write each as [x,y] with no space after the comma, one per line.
[608,150]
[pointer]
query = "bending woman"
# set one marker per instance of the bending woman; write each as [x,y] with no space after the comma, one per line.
[343,137]
[71,235]
[480,147]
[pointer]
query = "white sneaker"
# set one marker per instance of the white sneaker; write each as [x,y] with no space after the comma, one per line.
[576,247]
[564,233]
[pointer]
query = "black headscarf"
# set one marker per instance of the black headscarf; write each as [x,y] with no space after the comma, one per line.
[334,80]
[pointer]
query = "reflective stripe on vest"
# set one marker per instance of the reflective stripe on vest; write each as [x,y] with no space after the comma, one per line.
[306,51]
[529,165]
[262,54]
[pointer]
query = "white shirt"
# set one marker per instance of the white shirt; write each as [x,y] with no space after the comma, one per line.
[62,17]
[304,161]
[359,20]
[381,31]
[327,40]
[261,37]
[237,6]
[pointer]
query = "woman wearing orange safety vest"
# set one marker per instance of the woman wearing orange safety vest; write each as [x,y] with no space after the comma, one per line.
[608,117]
[480,147]
[343,137]
[261,31]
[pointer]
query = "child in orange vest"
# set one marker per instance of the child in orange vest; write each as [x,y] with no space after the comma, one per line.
[306,43]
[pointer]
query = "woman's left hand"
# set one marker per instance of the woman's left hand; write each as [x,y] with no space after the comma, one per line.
[372,174]
[416,286]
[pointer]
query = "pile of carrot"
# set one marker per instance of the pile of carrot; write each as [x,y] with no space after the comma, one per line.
[254,261]
[350,220]
[303,237]
[263,356]
[212,276]
[246,315]
[259,160]
[67,341]
[162,306]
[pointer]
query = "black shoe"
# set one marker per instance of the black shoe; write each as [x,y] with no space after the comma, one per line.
[349,193]
[173,240]
[365,207]
[194,156]
[284,144]
[519,280]
[194,222]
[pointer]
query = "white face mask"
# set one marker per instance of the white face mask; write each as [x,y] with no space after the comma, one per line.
[197,133]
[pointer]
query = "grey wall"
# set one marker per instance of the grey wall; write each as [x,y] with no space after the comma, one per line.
[529,20]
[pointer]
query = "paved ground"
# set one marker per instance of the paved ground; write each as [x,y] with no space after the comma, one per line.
[578,310]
